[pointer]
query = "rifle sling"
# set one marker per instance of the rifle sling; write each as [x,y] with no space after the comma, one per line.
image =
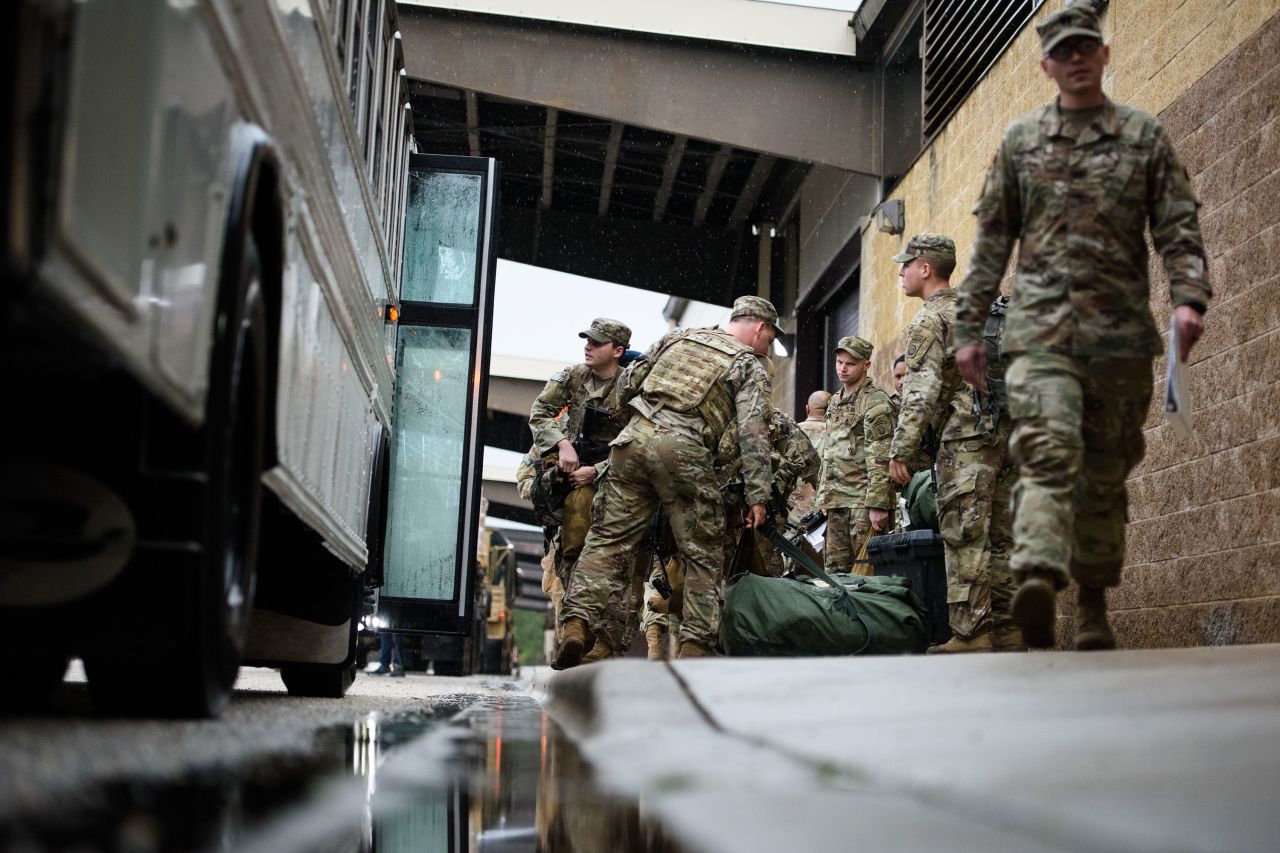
[845,603]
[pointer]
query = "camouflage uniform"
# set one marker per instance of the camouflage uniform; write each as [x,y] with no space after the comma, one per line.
[690,388]
[559,413]
[791,459]
[974,474]
[855,464]
[1079,189]
[804,496]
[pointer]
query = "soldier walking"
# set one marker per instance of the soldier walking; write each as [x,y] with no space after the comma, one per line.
[691,386]
[854,484]
[1078,182]
[974,475]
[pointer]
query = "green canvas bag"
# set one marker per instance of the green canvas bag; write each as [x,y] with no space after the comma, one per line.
[782,617]
[921,495]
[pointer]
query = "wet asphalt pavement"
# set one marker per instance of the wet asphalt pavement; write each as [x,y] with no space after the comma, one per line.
[419,763]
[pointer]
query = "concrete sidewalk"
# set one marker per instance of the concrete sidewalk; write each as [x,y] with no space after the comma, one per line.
[1170,750]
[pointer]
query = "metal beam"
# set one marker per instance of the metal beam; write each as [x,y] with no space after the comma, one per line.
[610,163]
[793,105]
[507,430]
[714,173]
[673,259]
[751,192]
[548,156]
[473,124]
[674,156]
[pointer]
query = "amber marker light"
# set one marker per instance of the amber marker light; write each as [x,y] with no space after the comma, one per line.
[393,313]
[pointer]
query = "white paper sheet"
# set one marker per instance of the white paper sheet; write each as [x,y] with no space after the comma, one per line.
[817,536]
[1177,394]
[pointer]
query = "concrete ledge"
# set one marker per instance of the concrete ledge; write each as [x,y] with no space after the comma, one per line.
[1174,750]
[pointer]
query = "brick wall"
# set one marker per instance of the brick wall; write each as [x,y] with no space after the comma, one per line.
[1204,538]
[1204,542]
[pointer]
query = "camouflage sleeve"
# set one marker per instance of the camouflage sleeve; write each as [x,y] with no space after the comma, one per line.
[810,462]
[1175,226]
[525,473]
[748,381]
[922,392]
[544,417]
[877,427]
[999,224]
[792,450]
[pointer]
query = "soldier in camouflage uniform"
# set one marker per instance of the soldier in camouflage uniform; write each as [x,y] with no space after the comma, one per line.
[792,460]
[974,475]
[691,386]
[853,485]
[1078,182]
[804,497]
[561,429]
[899,376]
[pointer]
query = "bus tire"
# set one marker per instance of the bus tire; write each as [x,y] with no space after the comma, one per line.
[324,682]
[205,635]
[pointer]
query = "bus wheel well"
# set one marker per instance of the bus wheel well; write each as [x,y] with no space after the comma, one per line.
[266,224]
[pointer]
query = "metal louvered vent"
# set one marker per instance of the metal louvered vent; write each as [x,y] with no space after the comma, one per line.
[962,38]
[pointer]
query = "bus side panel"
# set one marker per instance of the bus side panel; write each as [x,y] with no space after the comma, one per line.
[116,68]
[365,283]
[197,110]
[325,423]
[143,189]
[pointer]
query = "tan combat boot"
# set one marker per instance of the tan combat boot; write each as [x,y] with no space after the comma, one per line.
[656,641]
[694,649]
[600,651]
[1093,633]
[1035,609]
[960,645]
[575,641]
[1007,639]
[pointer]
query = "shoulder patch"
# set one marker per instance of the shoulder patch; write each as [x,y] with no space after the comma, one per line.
[879,429]
[561,376]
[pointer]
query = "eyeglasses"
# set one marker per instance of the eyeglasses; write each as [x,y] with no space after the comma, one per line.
[1064,51]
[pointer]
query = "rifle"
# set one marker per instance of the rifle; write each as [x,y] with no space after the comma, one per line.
[660,552]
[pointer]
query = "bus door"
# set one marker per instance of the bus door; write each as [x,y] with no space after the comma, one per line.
[441,353]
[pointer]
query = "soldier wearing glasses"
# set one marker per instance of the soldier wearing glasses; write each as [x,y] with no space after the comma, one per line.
[1077,183]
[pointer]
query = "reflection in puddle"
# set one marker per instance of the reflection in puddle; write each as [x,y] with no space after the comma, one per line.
[498,776]
[512,783]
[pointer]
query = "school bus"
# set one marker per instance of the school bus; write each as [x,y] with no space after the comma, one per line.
[245,327]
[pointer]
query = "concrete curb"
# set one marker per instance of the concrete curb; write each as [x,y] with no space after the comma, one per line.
[1174,750]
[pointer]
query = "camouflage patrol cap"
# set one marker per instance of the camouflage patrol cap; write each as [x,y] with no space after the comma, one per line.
[1078,19]
[605,330]
[859,348]
[940,247]
[755,306]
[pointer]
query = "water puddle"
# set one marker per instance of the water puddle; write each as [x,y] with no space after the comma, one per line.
[464,775]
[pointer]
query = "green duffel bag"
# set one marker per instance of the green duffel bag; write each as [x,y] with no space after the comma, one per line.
[921,495]
[781,617]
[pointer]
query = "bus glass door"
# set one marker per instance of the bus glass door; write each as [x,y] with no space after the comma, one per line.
[442,348]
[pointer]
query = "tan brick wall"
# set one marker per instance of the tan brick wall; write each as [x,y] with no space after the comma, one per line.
[1204,542]
[1204,538]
